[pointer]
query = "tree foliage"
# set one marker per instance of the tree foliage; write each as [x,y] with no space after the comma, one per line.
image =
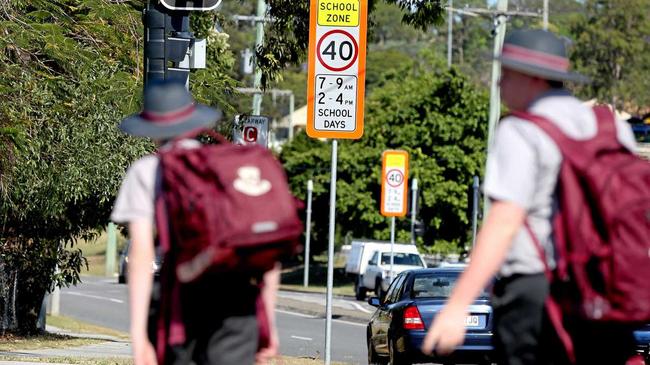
[612,46]
[435,114]
[71,70]
[287,36]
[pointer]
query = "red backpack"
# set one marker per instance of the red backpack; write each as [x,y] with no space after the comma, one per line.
[223,208]
[602,229]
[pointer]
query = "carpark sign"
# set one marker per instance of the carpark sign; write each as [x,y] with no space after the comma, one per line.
[394,175]
[337,64]
[252,129]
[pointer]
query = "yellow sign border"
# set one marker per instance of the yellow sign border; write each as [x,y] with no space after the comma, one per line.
[361,75]
[384,158]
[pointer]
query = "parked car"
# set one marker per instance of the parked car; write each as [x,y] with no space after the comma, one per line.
[368,262]
[378,274]
[397,328]
[642,338]
[124,263]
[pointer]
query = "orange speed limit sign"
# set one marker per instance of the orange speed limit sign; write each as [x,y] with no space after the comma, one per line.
[394,177]
[337,64]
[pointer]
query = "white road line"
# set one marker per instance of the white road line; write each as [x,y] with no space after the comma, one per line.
[302,338]
[295,314]
[315,317]
[359,307]
[349,323]
[93,296]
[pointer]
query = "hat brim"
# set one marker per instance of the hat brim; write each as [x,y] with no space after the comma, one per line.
[203,116]
[545,73]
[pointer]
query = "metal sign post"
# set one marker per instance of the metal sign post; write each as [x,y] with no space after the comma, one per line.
[330,257]
[394,175]
[414,203]
[310,188]
[335,92]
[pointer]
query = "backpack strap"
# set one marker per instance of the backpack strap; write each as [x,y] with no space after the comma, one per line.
[579,152]
[552,306]
[606,135]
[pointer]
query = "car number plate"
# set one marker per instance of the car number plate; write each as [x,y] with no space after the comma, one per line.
[472,321]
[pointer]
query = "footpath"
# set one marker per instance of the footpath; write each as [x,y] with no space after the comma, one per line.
[343,308]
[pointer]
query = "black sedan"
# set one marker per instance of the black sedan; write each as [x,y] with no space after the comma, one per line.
[397,328]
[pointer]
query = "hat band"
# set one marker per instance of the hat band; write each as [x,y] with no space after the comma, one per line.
[531,57]
[168,117]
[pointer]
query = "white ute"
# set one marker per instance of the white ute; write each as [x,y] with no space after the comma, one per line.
[369,263]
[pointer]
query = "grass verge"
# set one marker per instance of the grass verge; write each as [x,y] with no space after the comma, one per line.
[282,360]
[43,341]
[293,279]
[76,326]
[56,341]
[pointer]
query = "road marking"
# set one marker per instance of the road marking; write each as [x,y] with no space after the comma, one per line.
[302,338]
[93,297]
[317,317]
[359,307]
[295,314]
[349,323]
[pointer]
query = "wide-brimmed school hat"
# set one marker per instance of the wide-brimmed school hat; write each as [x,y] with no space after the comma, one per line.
[538,53]
[169,111]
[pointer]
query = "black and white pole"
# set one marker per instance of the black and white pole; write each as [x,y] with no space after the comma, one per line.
[330,256]
[310,188]
[414,202]
[475,198]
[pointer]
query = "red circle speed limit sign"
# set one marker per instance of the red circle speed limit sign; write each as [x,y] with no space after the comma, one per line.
[394,178]
[336,68]
[394,172]
[337,50]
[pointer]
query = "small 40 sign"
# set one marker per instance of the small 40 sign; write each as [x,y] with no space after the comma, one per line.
[395,178]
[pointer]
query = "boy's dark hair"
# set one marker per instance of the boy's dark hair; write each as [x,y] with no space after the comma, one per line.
[555,84]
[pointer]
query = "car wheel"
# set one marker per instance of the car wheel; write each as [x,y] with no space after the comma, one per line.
[379,291]
[373,357]
[395,357]
[359,290]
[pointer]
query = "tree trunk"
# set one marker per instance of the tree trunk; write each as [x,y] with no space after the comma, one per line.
[8,289]
[22,291]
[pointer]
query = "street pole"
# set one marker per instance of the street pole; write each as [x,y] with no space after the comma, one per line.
[545,23]
[450,5]
[414,202]
[475,197]
[111,249]
[292,102]
[259,39]
[495,98]
[392,249]
[310,188]
[330,256]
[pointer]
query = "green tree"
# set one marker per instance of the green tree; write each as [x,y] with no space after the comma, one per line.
[71,70]
[287,36]
[612,47]
[435,114]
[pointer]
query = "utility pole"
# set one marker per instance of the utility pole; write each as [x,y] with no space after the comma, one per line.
[495,97]
[545,22]
[450,43]
[259,40]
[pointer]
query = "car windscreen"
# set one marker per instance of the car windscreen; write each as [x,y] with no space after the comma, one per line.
[436,286]
[400,258]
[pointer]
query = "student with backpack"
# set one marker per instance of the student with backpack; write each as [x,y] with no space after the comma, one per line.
[217,299]
[568,224]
